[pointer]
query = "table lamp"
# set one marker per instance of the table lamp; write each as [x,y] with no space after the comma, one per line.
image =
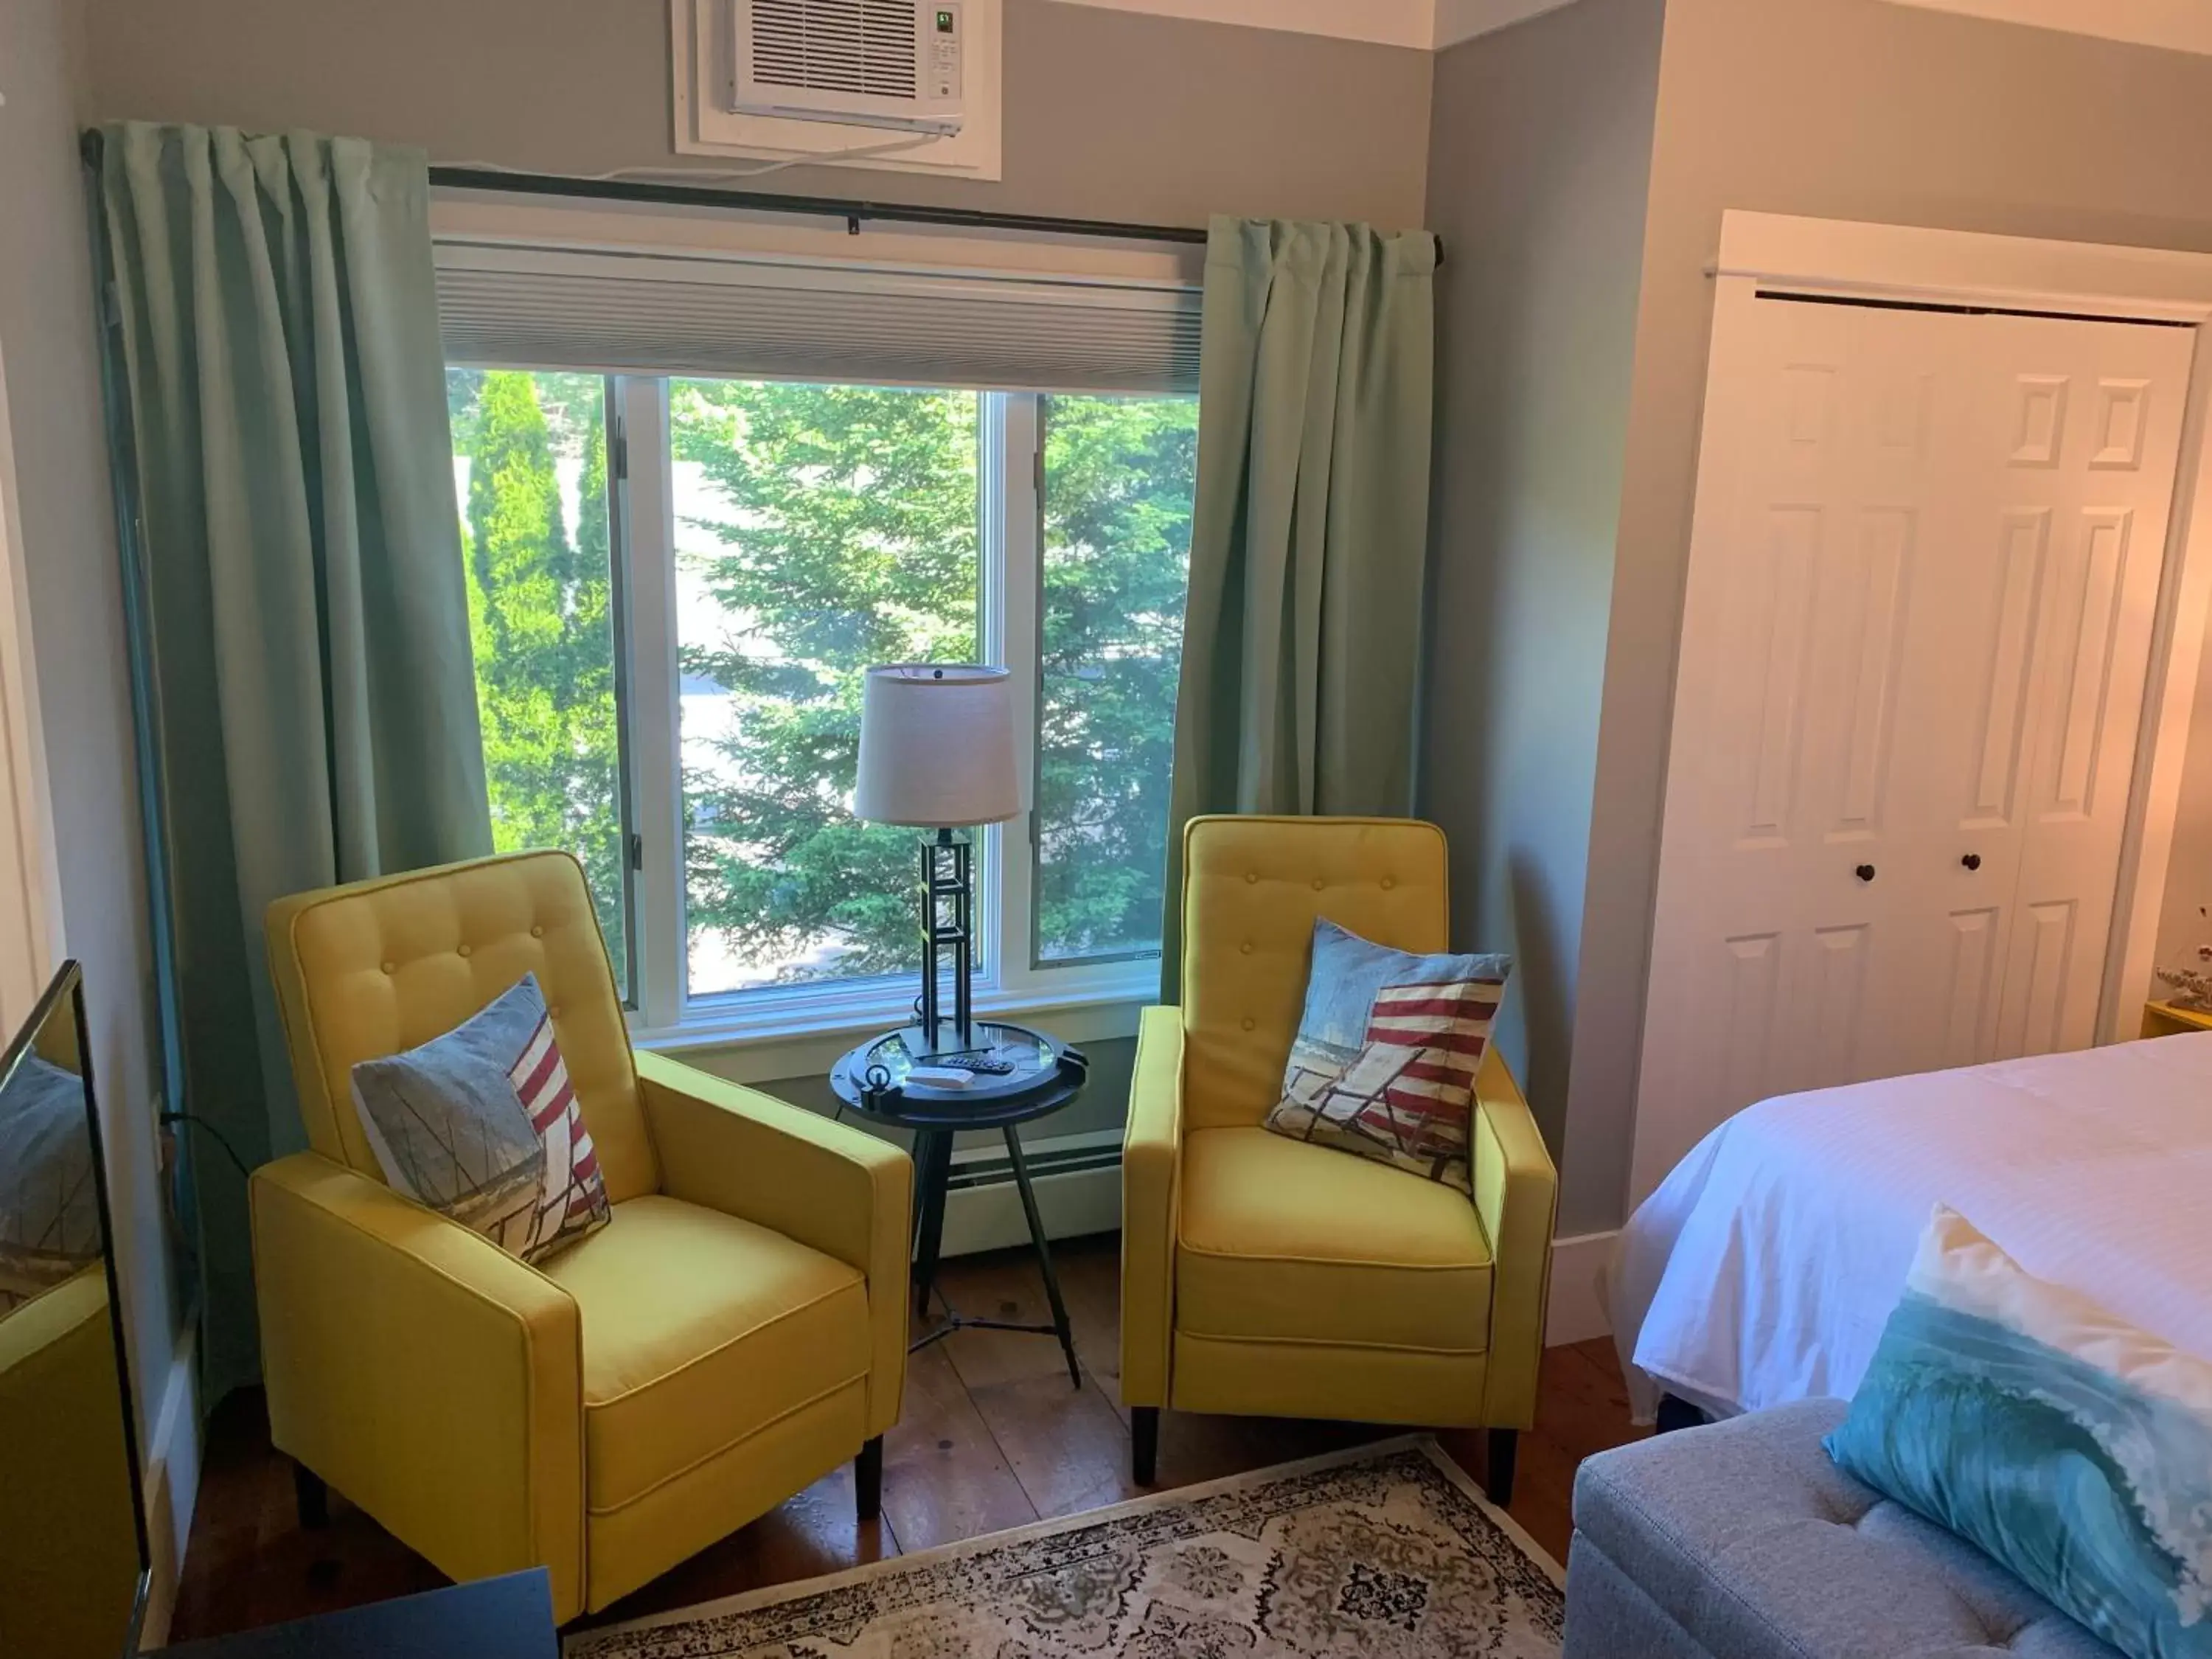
[938,753]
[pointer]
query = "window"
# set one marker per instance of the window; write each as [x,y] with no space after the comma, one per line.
[530,468]
[669,658]
[819,529]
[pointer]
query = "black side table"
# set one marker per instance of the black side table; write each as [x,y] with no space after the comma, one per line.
[1020,1075]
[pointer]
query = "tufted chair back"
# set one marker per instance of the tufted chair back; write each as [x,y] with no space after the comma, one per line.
[1252,887]
[369,970]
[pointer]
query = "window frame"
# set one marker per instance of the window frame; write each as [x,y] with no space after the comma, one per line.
[791,1027]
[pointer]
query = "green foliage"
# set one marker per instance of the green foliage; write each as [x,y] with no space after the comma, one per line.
[850,539]
[1119,474]
[540,622]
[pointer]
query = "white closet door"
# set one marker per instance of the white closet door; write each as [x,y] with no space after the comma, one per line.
[2092,421]
[1922,576]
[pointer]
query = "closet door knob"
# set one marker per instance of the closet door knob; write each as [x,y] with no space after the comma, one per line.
[1972,860]
[1865,873]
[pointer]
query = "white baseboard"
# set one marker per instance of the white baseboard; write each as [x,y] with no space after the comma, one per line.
[1577,1311]
[172,1485]
[989,1217]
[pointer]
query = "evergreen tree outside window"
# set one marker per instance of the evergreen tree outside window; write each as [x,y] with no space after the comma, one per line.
[1119,477]
[819,529]
[530,461]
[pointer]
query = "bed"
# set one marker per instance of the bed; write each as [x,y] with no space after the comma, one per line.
[1763,1268]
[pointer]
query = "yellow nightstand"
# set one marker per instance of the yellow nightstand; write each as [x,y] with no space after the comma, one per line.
[2164,1019]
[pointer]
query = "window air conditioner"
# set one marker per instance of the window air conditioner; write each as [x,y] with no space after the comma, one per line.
[891,64]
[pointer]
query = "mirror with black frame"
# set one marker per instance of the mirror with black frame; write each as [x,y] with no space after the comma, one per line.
[74,1565]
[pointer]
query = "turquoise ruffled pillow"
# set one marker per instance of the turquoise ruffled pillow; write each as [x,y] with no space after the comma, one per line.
[2068,1445]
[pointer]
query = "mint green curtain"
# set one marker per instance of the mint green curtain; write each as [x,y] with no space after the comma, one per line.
[1301,664]
[298,583]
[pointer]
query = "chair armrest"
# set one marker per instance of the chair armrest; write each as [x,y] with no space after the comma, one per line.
[836,1190]
[1516,1192]
[433,1379]
[1152,1167]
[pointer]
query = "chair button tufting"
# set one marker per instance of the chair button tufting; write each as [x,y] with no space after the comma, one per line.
[1246,947]
[538,930]
[1247,1022]
[466,949]
[1319,883]
[388,968]
[1388,882]
[553,1012]
[1251,875]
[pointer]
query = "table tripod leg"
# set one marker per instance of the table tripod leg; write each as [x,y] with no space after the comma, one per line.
[933,1170]
[1044,1254]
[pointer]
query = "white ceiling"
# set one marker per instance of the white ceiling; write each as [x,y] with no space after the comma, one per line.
[2179,25]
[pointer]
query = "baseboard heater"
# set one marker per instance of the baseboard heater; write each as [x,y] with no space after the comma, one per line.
[1079,1191]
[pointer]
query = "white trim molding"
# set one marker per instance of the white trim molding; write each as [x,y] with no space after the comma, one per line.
[1844,256]
[1467,20]
[771,1052]
[1379,22]
[172,1485]
[1576,1311]
[2173,25]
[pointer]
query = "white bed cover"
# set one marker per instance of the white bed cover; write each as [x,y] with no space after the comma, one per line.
[1763,1268]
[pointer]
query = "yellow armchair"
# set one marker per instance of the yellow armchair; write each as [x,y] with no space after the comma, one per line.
[735,1333]
[1265,1276]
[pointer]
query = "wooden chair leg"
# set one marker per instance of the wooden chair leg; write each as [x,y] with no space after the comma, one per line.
[1145,1443]
[1497,1480]
[314,1497]
[868,1478]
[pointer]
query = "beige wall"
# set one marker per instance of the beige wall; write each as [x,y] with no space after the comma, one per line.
[1539,151]
[1849,109]
[1108,114]
[47,340]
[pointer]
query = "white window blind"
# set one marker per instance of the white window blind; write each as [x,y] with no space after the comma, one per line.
[714,314]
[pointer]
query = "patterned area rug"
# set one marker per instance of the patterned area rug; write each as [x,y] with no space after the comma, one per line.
[1387,1550]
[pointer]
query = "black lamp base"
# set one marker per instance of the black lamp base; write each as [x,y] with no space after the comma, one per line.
[944,1045]
[947,915]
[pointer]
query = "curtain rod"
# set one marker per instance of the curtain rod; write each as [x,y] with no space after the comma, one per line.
[853,213]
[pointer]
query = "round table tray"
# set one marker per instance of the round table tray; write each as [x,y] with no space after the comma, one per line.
[1049,1074]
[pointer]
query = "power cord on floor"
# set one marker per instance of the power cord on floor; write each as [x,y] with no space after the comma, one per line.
[214,1133]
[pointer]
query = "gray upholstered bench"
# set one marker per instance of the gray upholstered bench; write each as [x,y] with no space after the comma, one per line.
[1743,1538]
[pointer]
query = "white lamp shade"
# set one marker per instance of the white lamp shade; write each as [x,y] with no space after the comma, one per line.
[937,746]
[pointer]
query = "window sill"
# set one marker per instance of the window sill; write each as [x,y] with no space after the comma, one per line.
[768,1044]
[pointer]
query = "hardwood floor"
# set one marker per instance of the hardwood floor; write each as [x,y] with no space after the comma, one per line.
[992,1436]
